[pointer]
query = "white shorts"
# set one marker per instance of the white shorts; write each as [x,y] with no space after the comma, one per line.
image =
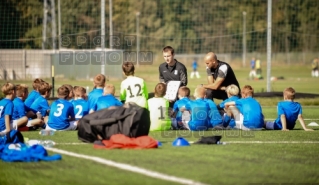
[29,124]
[72,126]
[13,126]
[240,123]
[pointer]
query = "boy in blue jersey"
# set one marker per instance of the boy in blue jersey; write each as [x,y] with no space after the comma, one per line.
[232,94]
[20,110]
[199,111]
[41,103]
[6,108]
[70,98]
[215,119]
[288,112]
[61,115]
[108,99]
[99,83]
[81,106]
[247,111]
[183,96]
[34,93]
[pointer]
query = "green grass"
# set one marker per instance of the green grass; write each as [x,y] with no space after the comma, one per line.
[233,163]
[218,164]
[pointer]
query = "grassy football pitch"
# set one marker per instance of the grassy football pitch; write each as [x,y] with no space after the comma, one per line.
[255,157]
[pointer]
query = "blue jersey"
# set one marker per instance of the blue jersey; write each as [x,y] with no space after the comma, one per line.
[199,110]
[61,111]
[81,108]
[291,110]
[31,98]
[232,98]
[6,108]
[227,120]
[93,96]
[41,105]
[106,101]
[252,112]
[213,115]
[178,105]
[19,109]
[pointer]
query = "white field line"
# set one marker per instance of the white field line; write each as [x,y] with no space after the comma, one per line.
[240,142]
[128,167]
[273,119]
[268,142]
[275,142]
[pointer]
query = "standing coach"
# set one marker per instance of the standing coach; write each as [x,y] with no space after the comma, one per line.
[219,76]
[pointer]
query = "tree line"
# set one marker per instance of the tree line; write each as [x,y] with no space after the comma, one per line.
[189,26]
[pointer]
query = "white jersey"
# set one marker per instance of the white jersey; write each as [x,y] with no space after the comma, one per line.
[133,89]
[160,119]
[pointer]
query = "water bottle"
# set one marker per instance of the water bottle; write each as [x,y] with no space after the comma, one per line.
[220,143]
[47,132]
[47,143]
[32,142]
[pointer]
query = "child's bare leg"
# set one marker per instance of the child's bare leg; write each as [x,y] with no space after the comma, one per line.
[36,122]
[236,114]
[22,121]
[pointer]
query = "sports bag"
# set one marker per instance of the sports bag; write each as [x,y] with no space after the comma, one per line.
[130,120]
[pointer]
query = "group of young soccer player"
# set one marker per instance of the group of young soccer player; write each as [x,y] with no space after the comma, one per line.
[19,109]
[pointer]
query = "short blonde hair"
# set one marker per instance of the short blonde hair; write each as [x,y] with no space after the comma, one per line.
[36,83]
[232,90]
[200,92]
[109,89]
[20,89]
[290,92]
[44,87]
[8,88]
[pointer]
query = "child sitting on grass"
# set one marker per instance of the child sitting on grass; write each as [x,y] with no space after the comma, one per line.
[41,103]
[247,111]
[61,115]
[133,89]
[6,108]
[232,93]
[20,111]
[34,93]
[81,106]
[183,99]
[158,107]
[108,99]
[199,111]
[99,83]
[288,112]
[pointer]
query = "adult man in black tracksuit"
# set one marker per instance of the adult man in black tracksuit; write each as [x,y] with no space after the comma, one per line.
[219,76]
[171,69]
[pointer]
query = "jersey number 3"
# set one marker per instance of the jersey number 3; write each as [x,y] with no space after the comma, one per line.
[59,109]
